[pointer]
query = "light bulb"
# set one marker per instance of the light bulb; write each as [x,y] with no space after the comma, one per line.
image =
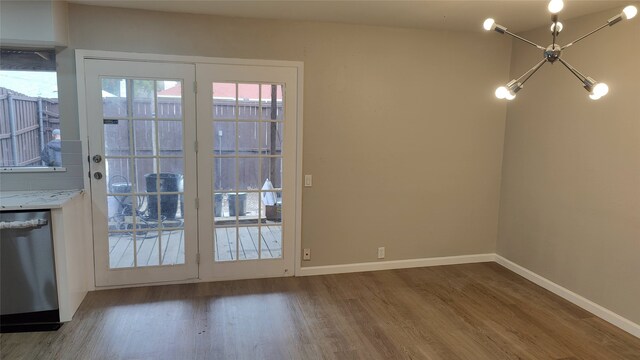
[553,26]
[600,90]
[555,6]
[502,92]
[594,97]
[488,24]
[510,96]
[630,12]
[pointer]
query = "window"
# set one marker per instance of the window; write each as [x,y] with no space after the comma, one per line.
[29,116]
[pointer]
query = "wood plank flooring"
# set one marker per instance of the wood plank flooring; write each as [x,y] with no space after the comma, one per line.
[475,311]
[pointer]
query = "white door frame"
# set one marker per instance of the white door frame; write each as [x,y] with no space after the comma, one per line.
[81,55]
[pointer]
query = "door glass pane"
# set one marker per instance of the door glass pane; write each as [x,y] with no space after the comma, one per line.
[248,138]
[224,174]
[272,110]
[114,98]
[221,210]
[224,101]
[116,138]
[248,174]
[271,206]
[143,167]
[143,99]
[172,245]
[147,248]
[144,137]
[224,138]
[225,244]
[149,221]
[248,100]
[120,249]
[174,166]
[169,97]
[170,138]
[237,203]
[271,242]
[248,238]
[271,137]
[117,175]
[120,210]
[252,207]
[272,171]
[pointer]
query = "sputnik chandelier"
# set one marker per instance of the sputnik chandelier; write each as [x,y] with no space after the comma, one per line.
[552,52]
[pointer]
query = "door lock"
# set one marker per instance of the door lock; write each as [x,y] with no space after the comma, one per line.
[97,158]
[97,175]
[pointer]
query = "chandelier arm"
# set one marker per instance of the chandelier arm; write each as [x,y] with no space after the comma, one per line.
[573,70]
[525,40]
[555,30]
[585,36]
[531,72]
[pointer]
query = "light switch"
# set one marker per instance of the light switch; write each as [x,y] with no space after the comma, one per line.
[307,180]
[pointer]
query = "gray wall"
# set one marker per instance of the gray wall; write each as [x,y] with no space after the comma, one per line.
[570,203]
[364,86]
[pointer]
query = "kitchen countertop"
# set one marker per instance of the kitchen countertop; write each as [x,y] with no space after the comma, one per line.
[36,200]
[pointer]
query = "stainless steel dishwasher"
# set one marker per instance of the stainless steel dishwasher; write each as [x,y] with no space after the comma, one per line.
[28,291]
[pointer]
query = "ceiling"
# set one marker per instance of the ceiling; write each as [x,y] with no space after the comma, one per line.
[517,15]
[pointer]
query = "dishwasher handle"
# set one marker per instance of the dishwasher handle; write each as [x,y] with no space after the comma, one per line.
[27,224]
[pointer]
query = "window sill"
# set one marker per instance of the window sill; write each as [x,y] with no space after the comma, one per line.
[33,169]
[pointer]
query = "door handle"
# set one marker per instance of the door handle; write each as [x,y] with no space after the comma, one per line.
[97,175]
[97,158]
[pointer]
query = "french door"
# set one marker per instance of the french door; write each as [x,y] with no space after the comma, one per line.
[246,170]
[193,170]
[143,179]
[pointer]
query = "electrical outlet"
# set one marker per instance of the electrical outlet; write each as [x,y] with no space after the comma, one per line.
[381,252]
[306,254]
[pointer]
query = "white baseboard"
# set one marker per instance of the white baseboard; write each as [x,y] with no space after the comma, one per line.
[394,264]
[599,311]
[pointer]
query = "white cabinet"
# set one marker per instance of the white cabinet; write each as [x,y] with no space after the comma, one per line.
[69,242]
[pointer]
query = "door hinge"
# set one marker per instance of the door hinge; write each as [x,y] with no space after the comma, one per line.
[195,87]
[195,146]
[198,258]
[197,203]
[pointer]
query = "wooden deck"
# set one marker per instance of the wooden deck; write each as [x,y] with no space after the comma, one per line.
[225,243]
[148,245]
[172,243]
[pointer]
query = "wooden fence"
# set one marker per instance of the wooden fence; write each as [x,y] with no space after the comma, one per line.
[26,124]
[169,132]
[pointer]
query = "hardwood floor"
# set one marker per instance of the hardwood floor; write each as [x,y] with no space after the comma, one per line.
[475,311]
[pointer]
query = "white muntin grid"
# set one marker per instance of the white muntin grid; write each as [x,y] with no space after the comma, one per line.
[132,158]
[237,120]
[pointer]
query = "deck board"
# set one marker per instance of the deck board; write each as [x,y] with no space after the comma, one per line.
[172,248]
[172,245]
[249,248]
[147,249]
[225,246]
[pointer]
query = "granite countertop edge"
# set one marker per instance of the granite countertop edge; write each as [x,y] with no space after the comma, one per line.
[36,199]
